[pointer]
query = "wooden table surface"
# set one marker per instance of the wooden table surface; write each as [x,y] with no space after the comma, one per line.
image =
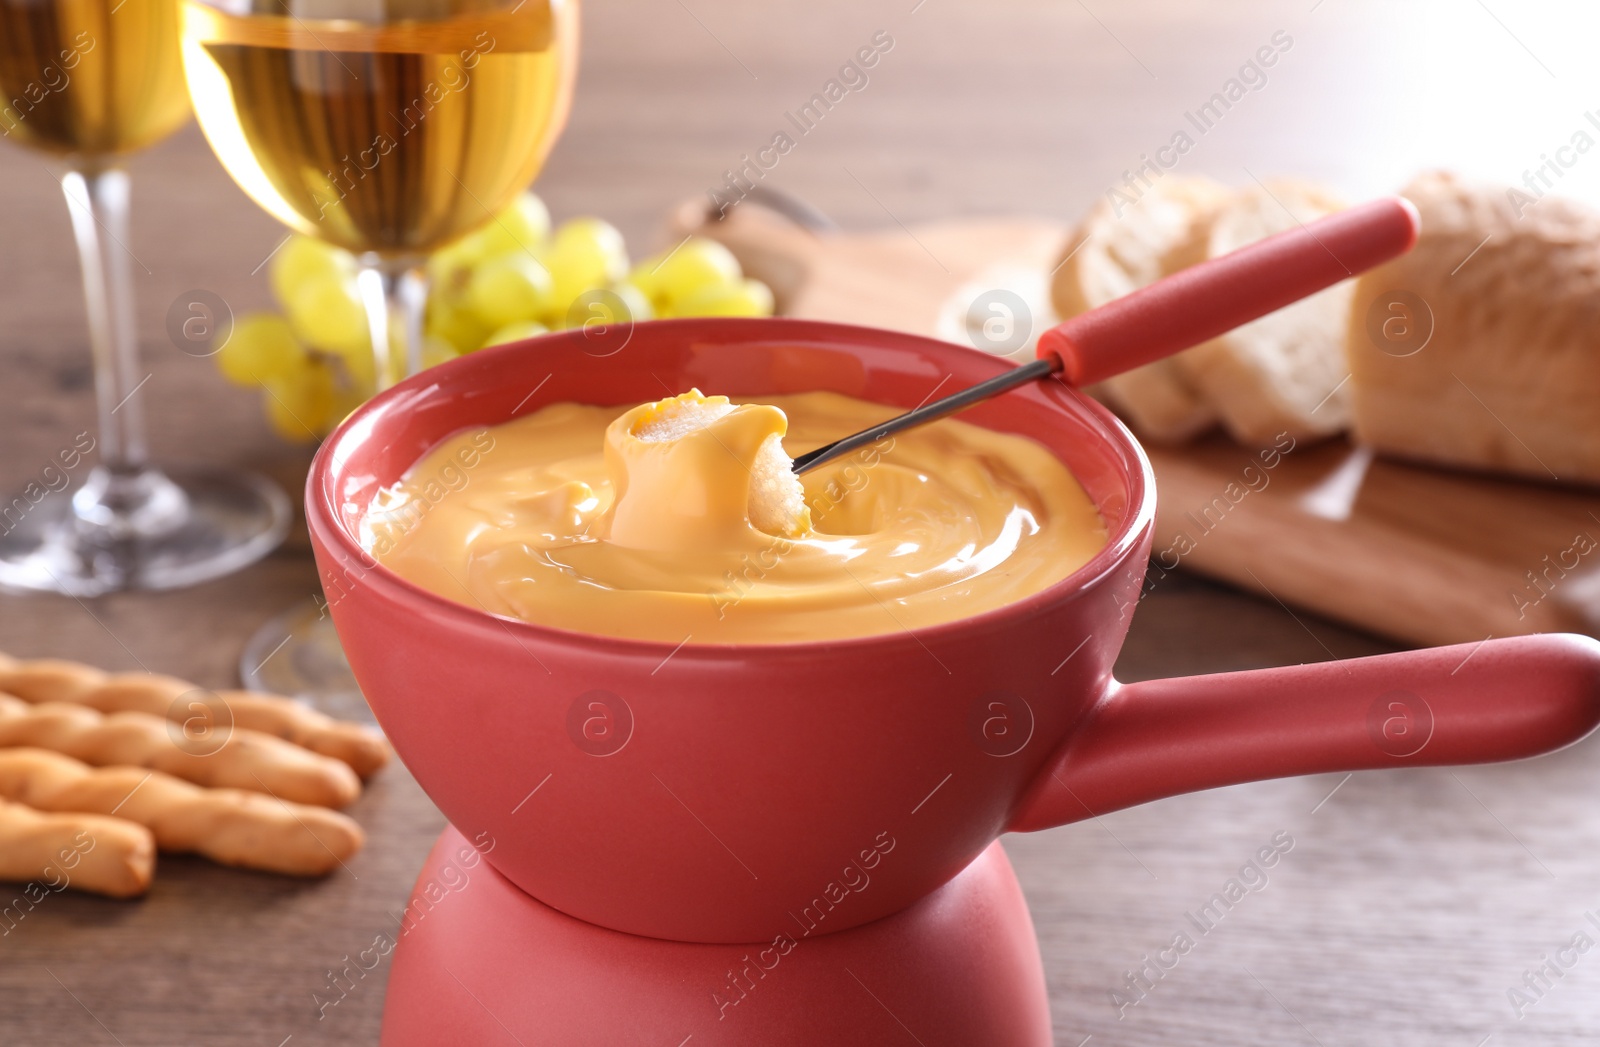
[1411,901]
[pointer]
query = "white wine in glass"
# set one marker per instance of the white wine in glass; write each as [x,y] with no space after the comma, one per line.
[389,128]
[386,127]
[85,82]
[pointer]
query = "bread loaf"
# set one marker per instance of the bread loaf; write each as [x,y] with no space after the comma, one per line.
[1481,348]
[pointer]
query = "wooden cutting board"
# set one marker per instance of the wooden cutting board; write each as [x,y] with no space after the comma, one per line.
[1416,553]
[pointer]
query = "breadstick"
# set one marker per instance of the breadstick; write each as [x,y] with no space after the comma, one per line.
[229,826]
[238,759]
[50,680]
[91,852]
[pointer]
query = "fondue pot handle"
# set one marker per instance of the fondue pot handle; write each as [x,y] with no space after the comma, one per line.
[1473,703]
[1196,304]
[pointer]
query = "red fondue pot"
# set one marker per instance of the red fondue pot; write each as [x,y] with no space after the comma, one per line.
[731,793]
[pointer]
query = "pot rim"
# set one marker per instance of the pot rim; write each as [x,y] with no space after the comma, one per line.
[329,532]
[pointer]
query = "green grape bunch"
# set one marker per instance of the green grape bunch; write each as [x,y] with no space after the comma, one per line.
[515,278]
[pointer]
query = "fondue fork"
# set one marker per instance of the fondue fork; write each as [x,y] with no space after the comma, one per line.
[1182,310]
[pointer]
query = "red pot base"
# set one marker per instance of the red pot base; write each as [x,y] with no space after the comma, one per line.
[479,959]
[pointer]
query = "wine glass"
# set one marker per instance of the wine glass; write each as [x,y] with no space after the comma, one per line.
[389,128]
[87,82]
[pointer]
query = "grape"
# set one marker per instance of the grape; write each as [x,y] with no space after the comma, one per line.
[646,277]
[637,304]
[437,351]
[516,332]
[697,265]
[745,298]
[450,268]
[328,315]
[303,261]
[262,347]
[524,226]
[635,294]
[451,319]
[509,288]
[585,253]
[299,406]
[622,304]
[503,283]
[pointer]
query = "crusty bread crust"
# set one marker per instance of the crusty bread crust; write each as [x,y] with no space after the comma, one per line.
[1108,256]
[1508,379]
[1283,373]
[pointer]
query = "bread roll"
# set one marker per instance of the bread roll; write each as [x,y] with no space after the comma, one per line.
[1111,254]
[1481,348]
[1283,373]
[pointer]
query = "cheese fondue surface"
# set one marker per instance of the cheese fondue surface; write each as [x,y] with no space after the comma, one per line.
[586,518]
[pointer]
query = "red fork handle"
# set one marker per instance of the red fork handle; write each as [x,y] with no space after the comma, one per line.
[1472,703]
[1205,300]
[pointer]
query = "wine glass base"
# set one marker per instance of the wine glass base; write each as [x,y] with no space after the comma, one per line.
[215,524]
[298,654]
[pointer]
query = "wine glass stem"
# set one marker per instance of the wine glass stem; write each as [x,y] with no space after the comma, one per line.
[123,497]
[395,294]
[98,201]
